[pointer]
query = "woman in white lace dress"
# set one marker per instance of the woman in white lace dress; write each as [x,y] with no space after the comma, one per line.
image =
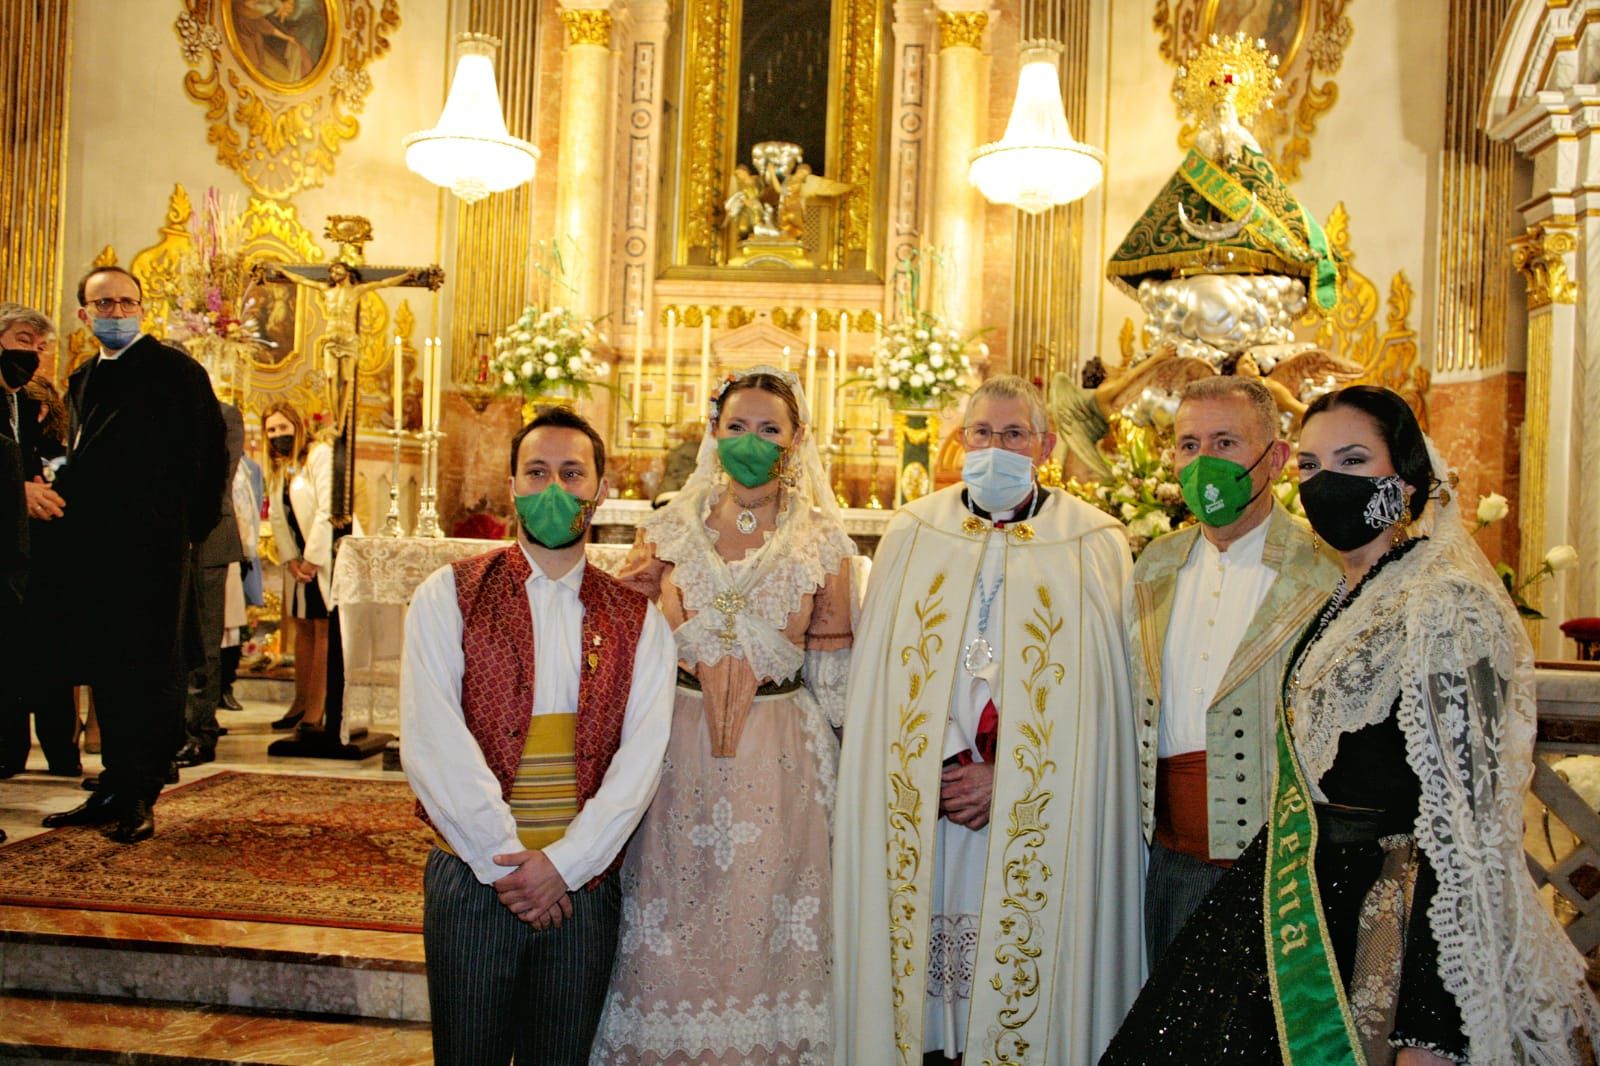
[726,941]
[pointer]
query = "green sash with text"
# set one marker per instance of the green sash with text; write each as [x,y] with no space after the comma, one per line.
[1308,999]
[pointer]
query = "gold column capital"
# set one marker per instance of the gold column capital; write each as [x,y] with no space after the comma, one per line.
[587,26]
[1539,256]
[962,29]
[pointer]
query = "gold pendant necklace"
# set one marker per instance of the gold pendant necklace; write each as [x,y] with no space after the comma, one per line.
[745,520]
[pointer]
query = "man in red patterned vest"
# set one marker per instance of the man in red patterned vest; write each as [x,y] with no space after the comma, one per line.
[535,703]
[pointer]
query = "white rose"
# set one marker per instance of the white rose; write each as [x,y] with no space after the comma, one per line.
[509,378]
[1128,510]
[574,365]
[524,351]
[1561,557]
[894,383]
[936,360]
[1492,508]
[551,373]
[527,369]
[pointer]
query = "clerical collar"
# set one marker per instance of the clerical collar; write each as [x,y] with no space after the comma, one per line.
[1030,507]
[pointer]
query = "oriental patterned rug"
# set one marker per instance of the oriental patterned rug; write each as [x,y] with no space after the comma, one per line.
[255,847]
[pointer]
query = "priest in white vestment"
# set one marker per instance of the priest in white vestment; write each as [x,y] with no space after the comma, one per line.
[988,857]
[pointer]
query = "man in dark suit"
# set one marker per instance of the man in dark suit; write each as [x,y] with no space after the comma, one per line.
[221,548]
[24,334]
[18,358]
[144,471]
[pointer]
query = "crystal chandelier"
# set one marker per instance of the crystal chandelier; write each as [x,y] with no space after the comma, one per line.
[470,152]
[1036,165]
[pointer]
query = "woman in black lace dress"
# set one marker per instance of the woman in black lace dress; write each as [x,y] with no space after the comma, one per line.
[1384,913]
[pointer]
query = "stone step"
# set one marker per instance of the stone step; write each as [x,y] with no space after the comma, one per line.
[261,966]
[38,1028]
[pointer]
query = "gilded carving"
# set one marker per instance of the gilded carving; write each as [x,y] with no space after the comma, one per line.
[858,83]
[1539,256]
[1309,37]
[710,42]
[157,266]
[962,29]
[282,96]
[1350,330]
[1397,365]
[905,816]
[1027,876]
[587,26]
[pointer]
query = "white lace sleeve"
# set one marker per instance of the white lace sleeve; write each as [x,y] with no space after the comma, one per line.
[825,675]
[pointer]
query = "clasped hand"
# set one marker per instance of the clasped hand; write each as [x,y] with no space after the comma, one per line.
[302,571]
[535,891]
[44,502]
[965,792]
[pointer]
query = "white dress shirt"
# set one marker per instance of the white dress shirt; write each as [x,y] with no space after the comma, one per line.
[1216,597]
[446,767]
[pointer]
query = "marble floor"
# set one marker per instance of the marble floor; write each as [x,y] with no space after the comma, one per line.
[143,987]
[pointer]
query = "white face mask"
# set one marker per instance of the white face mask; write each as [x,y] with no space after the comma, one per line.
[997,480]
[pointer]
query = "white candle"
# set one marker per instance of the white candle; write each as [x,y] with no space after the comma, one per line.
[811,387]
[785,358]
[828,397]
[438,381]
[638,363]
[844,342]
[666,403]
[426,369]
[705,359]
[811,333]
[399,382]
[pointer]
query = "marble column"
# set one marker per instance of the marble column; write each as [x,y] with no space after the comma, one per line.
[583,160]
[645,62]
[908,131]
[956,212]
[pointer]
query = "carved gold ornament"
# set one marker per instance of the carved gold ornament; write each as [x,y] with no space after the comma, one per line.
[1540,257]
[1309,38]
[282,94]
[904,844]
[962,29]
[587,26]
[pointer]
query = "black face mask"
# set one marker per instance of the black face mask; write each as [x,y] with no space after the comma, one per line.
[281,445]
[1348,510]
[17,366]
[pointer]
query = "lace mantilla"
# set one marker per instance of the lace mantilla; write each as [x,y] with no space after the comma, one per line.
[717,1029]
[1436,627]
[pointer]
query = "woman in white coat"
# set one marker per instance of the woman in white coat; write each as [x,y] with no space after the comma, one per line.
[300,497]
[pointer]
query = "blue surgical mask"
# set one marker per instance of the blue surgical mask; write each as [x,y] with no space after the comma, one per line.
[997,480]
[115,333]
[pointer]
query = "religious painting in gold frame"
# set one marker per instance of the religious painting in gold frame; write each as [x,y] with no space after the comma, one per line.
[282,81]
[1309,37]
[709,134]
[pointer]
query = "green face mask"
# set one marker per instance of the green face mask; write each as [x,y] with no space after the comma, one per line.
[1218,490]
[555,517]
[749,459]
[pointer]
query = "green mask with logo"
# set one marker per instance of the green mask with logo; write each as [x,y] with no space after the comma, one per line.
[555,517]
[1218,490]
[749,459]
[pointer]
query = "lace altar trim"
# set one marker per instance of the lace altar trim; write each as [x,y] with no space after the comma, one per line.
[734,1026]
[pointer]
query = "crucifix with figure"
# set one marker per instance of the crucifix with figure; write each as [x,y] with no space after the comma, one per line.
[339,287]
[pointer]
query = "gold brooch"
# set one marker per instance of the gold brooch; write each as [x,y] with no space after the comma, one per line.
[594,660]
[973,526]
[1021,531]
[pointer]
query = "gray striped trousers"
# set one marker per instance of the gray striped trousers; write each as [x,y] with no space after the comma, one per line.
[499,989]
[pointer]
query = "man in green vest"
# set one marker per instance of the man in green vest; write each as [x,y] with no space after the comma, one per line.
[1216,608]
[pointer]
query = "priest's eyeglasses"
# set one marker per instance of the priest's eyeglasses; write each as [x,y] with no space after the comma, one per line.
[1012,438]
[126,304]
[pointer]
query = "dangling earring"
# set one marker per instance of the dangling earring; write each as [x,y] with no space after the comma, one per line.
[1400,534]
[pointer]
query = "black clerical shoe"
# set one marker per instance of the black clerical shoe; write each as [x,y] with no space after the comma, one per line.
[230,702]
[138,822]
[2,836]
[98,809]
[193,754]
[90,784]
[65,771]
[172,772]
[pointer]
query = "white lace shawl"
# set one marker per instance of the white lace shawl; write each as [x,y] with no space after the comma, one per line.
[806,549]
[1436,627]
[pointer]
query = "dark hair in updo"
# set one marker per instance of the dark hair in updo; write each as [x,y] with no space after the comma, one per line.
[766,383]
[1397,424]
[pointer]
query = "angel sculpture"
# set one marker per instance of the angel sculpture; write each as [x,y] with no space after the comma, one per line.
[749,214]
[1147,391]
[800,186]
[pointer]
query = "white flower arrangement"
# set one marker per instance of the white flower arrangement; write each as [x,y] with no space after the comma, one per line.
[921,362]
[545,350]
[1494,508]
